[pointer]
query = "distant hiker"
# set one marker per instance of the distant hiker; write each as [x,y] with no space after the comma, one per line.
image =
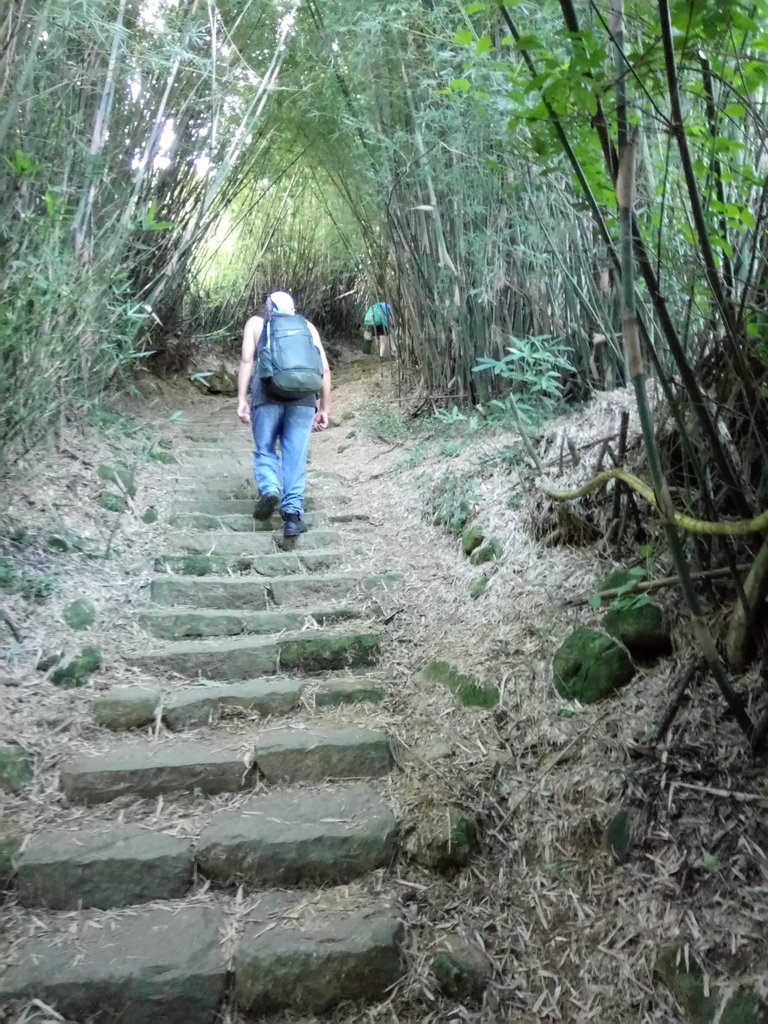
[378,322]
[290,397]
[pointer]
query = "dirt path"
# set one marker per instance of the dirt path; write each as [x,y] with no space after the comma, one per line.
[258,804]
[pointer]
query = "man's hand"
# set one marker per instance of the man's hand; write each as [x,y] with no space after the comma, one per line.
[321,420]
[243,410]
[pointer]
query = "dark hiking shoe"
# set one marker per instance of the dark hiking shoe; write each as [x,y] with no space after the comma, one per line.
[265,506]
[294,525]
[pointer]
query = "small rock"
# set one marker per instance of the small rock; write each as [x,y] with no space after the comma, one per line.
[641,628]
[618,836]
[57,543]
[443,841]
[10,842]
[80,614]
[16,768]
[48,661]
[149,515]
[462,971]
[707,1004]
[383,581]
[477,587]
[112,502]
[470,691]
[486,553]
[590,665]
[77,671]
[120,475]
[472,538]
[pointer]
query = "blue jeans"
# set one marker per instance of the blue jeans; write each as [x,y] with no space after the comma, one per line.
[292,426]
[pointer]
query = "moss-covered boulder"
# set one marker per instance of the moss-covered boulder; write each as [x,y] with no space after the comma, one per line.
[472,538]
[641,628]
[443,840]
[112,502]
[470,691]
[590,665]
[477,587]
[217,382]
[78,671]
[486,552]
[16,768]
[704,1004]
[618,836]
[119,475]
[80,614]
[149,515]
[461,971]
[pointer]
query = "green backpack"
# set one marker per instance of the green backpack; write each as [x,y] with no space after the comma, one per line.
[289,363]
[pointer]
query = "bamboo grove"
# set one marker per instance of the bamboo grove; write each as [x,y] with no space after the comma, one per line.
[164,162]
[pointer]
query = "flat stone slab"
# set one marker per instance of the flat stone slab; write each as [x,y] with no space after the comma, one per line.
[333,692]
[312,755]
[310,965]
[185,623]
[124,864]
[235,522]
[264,543]
[229,592]
[215,506]
[288,839]
[200,705]
[126,707]
[297,590]
[145,770]
[166,965]
[281,564]
[248,658]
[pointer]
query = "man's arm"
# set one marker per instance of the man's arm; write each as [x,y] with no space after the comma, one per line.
[251,334]
[324,405]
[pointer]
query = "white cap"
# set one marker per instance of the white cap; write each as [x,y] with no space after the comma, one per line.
[282,302]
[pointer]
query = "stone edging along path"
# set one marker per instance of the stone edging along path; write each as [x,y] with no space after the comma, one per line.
[225,635]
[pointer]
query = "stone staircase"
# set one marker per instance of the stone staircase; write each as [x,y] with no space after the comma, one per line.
[262,896]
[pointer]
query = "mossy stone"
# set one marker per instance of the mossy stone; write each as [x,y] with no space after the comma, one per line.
[684,978]
[472,538]
[80,614]
[618,836]
[590,665]
[469,691]
[383,581]
[77,671]
[55,542]
[443,842]
[120,475]
[462,971]
[16,768]
[166,458]
[478,587]
[641,628]
[112,502]
[10,843]
[149,515]
[486,553]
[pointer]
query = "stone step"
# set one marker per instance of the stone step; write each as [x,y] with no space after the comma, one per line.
[283,755]
[249,593]
[287,839]
[237,523]
[113,867]
[280,564]
[188,623]
[256,543]
[135,707]
[165,964]
[246,658]
[214,506]
[170,965]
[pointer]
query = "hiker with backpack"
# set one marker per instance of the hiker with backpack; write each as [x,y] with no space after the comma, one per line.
[377,322]
[290,397]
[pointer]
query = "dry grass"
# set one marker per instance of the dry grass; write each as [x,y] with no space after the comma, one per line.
[570,935]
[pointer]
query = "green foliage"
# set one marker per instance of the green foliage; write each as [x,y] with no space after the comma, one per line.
[532,369]
[451,501]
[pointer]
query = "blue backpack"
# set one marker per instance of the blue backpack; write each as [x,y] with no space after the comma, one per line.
[288,363]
